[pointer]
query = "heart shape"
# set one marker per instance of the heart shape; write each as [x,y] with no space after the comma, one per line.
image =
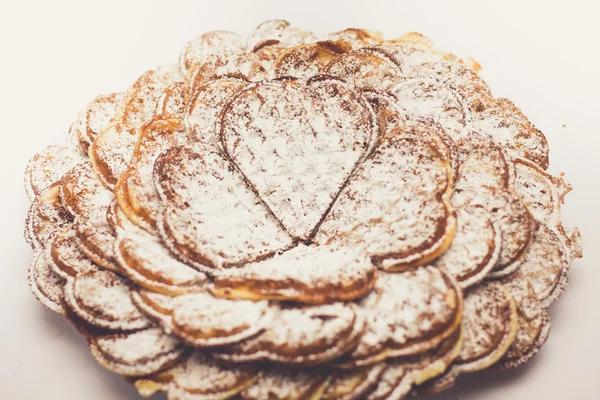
[297,144]
[210,218]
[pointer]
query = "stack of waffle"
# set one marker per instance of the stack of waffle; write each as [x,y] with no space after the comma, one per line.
[295,216]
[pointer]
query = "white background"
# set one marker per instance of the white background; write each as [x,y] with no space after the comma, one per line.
[57,55]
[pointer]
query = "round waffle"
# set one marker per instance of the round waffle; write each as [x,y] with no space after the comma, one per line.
[295,216]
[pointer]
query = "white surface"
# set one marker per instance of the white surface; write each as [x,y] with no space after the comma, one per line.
[56,55]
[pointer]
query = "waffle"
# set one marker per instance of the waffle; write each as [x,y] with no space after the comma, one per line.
[301,216]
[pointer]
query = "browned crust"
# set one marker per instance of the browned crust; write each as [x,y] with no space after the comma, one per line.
[315,354]
[54,254]
[241,288]
[423,343]
[134,211]
[443,237]
[40,226]
[88,244]
[541,337]
[135,271]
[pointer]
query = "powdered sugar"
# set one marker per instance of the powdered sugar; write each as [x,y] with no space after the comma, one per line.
[302,335]
[532,334]
[83,194]
[111,152]
[482,165]
[203,317]
[353,384]
[489,328]
[88,200]
[64,256]
[249,66]
[136,354]
[147,262]
[515,224]
[95,239]
[369,68]
[418,58]
[284,383]
[307,60]
[305,274]
[394,206]
[297,147]
[429,99]
[537,189]
[489,325]
[402,373]
[102,112]
[485,180]
[46,217]
[201,378]
[171,103]
[400,219]
[102,299]
[205,107]
[506,124]
[211,219]
[390,382]
[280,31]
[141,105]
[474,249]
[160,77]
[45,285]
[415,59]
[356,38]
[216,42]
[203,320]
[415,311]
[543,268]
[49,166]
[544,194]
[135,191]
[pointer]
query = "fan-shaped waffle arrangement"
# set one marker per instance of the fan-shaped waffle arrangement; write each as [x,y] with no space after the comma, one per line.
[295,216]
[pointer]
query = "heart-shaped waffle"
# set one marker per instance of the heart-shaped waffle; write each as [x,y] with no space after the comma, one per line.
[103,299]
[99,114]
[286,383]
[279,31]
[46,285]
[327,130]
[65,257]
[87,200]
[475,248]
[203,320]
[206,104]
[134,191]
[367,69]
[46,217]
[186,181]
[405,221]
[489,327]
[111,151]
[310,275]
[296,216]
[305,61]
[49,166]
[137,353]
[302,335]
[149,264]
[198,49]
[197,378]
[407,313]
[485,179]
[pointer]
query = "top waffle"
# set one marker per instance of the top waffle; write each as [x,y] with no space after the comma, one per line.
[360,205]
